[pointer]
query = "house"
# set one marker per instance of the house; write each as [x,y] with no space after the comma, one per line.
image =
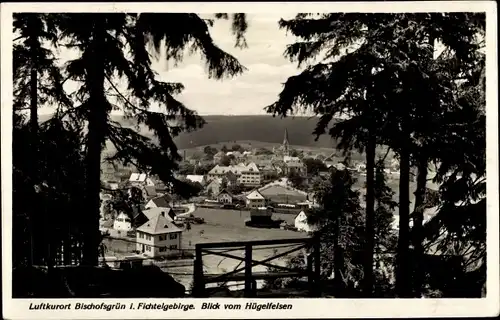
[225,197]
[294,166]
[140,179]
[152,212]
[218,156]
[164,201]
[196,178]
[330,160]
[231,178]
[302,224]
[129,221]
[148,192]
[137,179]
[248,175]
[255,199]
[214,187]
[158,237]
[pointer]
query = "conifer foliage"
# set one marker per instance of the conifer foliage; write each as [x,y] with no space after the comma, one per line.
[113,71]
[380,70]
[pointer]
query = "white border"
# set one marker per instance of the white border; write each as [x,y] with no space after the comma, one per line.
[302,308]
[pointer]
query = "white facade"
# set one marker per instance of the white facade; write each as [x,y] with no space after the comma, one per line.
[248,175]
[255,200]
[225,198]
[122,222]
[301,223]
[196,178]
[156,245]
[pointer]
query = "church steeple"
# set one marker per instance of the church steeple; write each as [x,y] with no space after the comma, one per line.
[285,145]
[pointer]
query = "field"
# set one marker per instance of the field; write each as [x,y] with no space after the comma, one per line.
[229,225]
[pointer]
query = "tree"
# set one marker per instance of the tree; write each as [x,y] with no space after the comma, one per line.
[186,168]
[135,196]
[385,237]
[263,151]
[225,161]
[237,147]
[57,200]
[371,61]
[101,40]
[296,179]
[294,153]
[37,80]
[223,184]
[224,149]
[209,151]
[314,166]
[236,188]
[340,223]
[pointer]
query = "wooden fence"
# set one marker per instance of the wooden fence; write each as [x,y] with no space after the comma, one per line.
[246,272]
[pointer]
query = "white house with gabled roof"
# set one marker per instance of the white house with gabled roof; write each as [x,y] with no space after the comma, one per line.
[255,200]
[158,237]
[302,224]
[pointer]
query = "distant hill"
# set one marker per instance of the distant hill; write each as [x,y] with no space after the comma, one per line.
[263,128]
[226,129]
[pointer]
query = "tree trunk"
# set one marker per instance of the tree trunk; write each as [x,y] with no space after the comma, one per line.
[337,260]
[418,218]
[95,139]
[403,286]
[34,127]
[370,217]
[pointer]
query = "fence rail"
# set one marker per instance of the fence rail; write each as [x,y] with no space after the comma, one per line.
[247,274]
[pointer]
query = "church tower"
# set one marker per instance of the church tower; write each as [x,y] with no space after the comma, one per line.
[285,145]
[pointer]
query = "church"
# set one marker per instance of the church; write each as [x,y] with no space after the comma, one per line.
[283,150]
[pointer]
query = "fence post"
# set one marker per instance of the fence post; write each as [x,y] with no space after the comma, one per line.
[248,271]
[198,283]
[317,265]
[310,274]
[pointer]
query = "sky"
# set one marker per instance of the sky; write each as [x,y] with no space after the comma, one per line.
[246,94]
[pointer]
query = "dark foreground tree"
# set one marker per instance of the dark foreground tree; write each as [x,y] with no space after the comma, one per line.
[112,49]
[339,222]
[57,200]
[369,67]
[37,82]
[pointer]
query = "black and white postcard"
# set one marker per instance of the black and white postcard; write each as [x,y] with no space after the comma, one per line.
[249,160]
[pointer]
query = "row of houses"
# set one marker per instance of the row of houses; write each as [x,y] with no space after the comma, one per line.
[246,174]
[156,233]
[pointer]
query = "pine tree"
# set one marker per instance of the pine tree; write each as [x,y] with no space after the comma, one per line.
[102,40]
[340,222]
[37,82]
[369,66]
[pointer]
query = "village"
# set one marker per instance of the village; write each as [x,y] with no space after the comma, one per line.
[242,196]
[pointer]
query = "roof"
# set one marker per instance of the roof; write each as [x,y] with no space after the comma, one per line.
[152,212]
[158,224]
[150,190]
[163,201]
[255,195]
[294,164]
[252,167]
[235,169]
[305,212]
[137,177]
[289,158]
[215,181]
[226,192]
[195,178]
